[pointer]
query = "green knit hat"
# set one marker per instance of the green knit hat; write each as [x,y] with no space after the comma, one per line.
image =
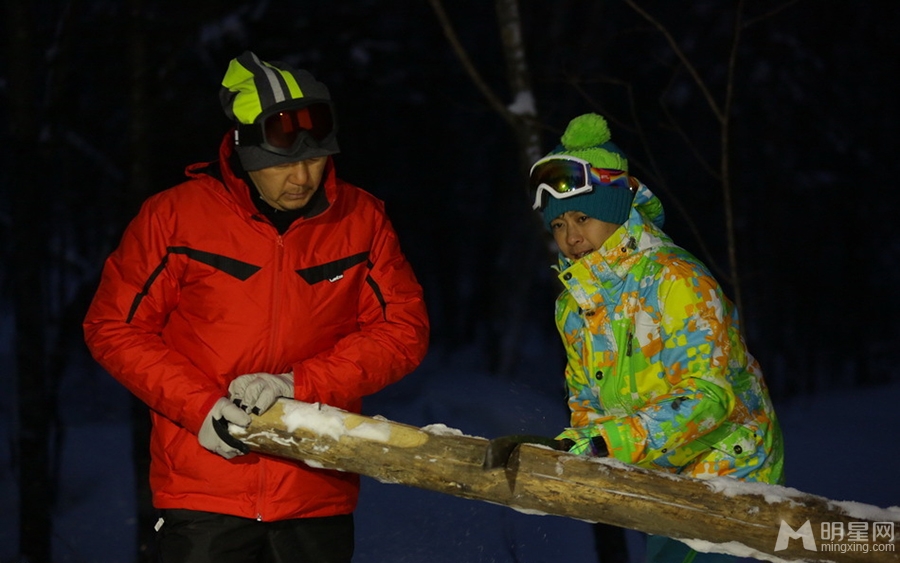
[588,137]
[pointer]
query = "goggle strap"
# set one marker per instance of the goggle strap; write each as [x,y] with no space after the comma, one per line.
[248,135]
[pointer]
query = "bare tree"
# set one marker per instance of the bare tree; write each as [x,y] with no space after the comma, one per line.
[35,409]
[521,116]
[521,113]
[722,111]
[139,185]
[508,293]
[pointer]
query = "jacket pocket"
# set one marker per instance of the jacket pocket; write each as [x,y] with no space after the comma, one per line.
[734,440]
[331,271]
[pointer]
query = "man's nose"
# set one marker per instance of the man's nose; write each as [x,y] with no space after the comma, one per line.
[299,172]
[573,235]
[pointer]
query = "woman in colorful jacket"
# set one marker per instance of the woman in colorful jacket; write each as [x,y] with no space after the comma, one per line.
[263,275]
[658,373]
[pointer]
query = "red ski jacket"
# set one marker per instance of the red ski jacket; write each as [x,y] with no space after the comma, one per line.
[203,289]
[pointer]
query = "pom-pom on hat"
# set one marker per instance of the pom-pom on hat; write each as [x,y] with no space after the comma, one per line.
[588,137]
[251,89]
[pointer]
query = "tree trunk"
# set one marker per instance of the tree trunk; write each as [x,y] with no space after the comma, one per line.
[521,251]
[522,247]
[35,485]
[138,189]
[522,107]
[713,515]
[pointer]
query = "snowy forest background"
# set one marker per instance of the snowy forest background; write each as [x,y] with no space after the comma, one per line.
[767,128]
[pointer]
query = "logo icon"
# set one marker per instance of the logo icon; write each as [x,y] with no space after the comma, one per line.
[804,533]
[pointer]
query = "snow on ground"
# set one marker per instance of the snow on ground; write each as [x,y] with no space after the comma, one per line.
[834,449]
[425,526]
[840,446]
[843,445]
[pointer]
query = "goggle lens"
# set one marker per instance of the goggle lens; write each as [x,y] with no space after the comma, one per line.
[566,176]
[282,130]
[559,175]
[288,131]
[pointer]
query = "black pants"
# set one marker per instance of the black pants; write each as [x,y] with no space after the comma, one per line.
[612,547]
[189,536]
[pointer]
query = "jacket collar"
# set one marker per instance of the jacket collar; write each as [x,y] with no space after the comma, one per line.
[240,189]
[604,270]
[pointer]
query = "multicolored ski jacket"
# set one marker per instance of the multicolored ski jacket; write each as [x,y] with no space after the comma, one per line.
[203,289]
[656,363]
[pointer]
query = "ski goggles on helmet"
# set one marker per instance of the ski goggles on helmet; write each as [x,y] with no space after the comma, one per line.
[563,176]
[287,129]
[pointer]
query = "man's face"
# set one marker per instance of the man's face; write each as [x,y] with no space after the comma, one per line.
[577,234]
[289,186]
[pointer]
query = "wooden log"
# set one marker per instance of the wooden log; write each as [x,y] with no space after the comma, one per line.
[719,515]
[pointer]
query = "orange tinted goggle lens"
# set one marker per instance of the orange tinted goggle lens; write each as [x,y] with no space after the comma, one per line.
[282,129]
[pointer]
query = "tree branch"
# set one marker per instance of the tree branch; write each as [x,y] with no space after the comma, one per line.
[714,106]
[773,12]
[727,191]
[493,100]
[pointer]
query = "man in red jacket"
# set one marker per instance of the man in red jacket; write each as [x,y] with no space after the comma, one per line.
[262,276]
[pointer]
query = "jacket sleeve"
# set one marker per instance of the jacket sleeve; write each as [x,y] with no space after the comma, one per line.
[695,356]
[392,338]
[125,320]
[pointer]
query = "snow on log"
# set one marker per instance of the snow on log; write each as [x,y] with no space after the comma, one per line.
[718,515]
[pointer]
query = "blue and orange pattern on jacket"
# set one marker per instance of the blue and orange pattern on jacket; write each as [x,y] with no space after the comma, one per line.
[656,363]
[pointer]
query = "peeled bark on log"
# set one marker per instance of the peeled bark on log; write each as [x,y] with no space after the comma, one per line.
[721,515]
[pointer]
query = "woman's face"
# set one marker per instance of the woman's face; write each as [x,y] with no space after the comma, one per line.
[577,234]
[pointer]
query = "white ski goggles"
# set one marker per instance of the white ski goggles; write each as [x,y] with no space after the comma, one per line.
[563,176]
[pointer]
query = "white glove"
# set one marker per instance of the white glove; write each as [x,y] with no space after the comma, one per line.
[208,437]
[256,392]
